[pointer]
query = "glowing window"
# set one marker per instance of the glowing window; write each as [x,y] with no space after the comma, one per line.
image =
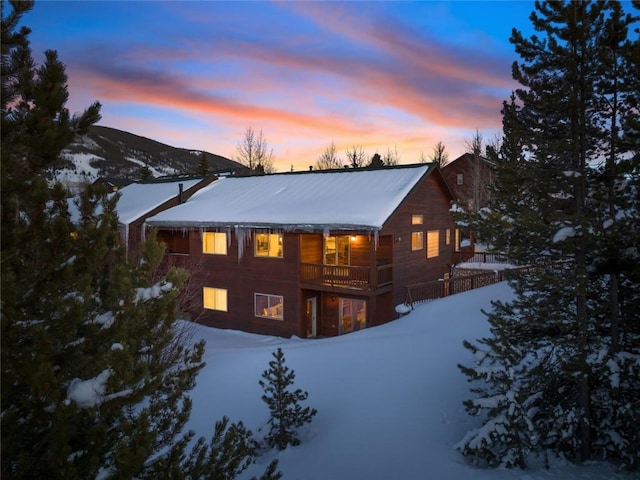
[337,250]
[417,240]
[269,306]
[269,245]
[214,242]
[417,219]
[448,236]
[353,315]
[214,298]
[433,243]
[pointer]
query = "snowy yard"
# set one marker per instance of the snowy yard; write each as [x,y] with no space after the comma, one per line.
[389,398]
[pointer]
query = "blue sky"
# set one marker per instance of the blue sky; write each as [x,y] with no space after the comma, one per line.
[378,75]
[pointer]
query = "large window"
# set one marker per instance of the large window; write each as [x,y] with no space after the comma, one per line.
[353,314]
[214,298]
[214,242]
[433,243]
[269,306]
[269,245]
[417,240]
[337,250]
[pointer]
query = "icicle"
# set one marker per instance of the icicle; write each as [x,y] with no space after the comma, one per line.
[243,234]
[126,239]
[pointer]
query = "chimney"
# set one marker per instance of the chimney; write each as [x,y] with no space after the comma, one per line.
[180,191]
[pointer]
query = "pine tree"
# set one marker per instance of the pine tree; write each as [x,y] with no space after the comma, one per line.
[560,370]
[286,412]
[376,161]
[230,452]
[203,165]
[93,381]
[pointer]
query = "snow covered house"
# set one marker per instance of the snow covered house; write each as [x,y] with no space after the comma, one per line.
[138,201]
[310,254]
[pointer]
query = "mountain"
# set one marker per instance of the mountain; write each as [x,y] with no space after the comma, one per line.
[125,157]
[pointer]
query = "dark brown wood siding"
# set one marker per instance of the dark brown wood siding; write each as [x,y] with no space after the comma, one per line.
[430,200]
[246,276]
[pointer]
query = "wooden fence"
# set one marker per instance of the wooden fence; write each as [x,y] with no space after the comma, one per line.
[427,291]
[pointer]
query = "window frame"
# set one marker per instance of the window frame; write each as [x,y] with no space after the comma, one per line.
[355,323]
[215,306]
[339,259]
[277,237]
[214,243]
[460,179]
[269,306]
[415,235]
[430,249]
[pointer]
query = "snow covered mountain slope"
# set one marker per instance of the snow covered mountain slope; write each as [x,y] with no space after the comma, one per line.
[115,154]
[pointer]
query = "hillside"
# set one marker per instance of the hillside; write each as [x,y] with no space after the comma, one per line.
[115,154]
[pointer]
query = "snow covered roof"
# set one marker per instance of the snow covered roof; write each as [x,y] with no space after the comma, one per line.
[139,198]
[349,199]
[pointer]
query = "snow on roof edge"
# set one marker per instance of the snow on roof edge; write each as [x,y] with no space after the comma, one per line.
[280,226]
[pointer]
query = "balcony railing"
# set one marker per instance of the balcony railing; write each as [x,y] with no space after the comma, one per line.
[343,276]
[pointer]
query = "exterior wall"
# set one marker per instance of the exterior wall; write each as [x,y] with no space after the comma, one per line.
[430,200]
[242,277]
[477,177]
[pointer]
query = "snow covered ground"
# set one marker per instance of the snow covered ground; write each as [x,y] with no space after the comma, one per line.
[389,398]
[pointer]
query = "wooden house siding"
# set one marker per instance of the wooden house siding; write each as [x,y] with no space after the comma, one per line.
[475,174]
[430,200]
[380,268]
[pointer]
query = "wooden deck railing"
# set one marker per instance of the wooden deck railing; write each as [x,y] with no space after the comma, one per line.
[484,257]
[427,291]
[364,278]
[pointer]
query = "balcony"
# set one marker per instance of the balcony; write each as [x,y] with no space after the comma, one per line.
[346,277]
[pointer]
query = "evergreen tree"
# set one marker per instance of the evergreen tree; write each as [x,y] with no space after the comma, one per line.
[93,383]
[560,371]
[376,161]
[203,165]
[286,412]
[230,452]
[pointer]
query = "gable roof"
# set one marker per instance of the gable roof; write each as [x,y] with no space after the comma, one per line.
[340,200]
[137,199]
[140,198]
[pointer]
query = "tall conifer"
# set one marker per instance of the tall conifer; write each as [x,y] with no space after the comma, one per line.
[93,383]
[560,371]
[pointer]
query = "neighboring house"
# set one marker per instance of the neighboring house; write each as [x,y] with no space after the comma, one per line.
[112,184]
[469,177]
[313,253]
[141,200]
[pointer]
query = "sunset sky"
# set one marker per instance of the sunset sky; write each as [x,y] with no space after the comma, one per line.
[380,75]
